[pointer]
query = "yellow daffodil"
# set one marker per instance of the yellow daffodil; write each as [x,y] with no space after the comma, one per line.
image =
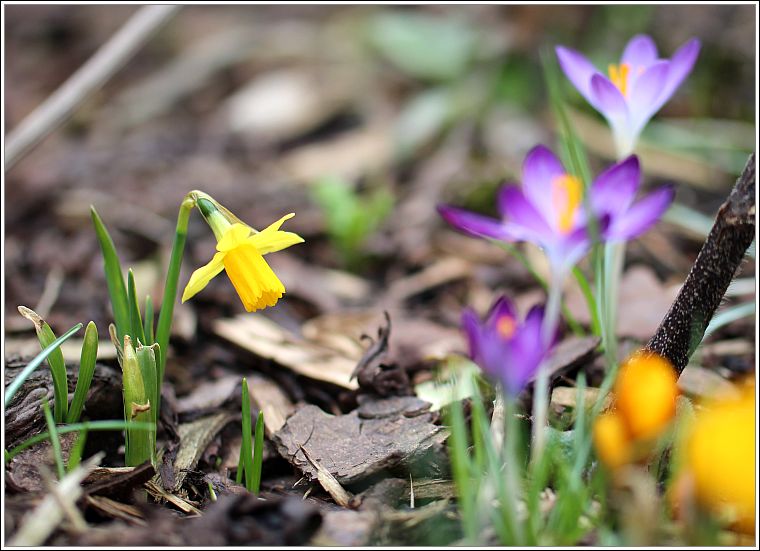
[240,252]
[720,458]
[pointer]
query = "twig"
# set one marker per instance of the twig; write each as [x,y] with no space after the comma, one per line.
[683,327]
[88,78]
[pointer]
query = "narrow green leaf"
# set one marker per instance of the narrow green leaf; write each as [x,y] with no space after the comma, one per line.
[75,455]
[13,387]
[76,427]
[258,453]
[135,321]
[461,469]
[246,446]
[55,361]
[86,369]
[148,322]
[114,276]
[240,467]
[54,439]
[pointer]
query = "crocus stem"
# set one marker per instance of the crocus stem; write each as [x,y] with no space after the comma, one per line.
[541,388]
[170,288]
[614,256]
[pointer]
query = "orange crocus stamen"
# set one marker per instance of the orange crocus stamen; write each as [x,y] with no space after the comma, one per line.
[566,197]
[505,326]
[619,76]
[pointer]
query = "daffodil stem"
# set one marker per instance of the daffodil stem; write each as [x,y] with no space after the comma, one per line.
[541,388]
[170,288]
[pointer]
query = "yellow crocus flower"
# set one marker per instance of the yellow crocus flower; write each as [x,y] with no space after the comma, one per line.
[720,458]
[240,252]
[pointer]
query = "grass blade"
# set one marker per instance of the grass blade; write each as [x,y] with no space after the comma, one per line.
[86,369]
[148,322]
[588,294]
[461,469]
[55,360]
[135,321]
[246,446]
[54,439]
[75,455]
[114,276]
[77,427]
[12,388]
[258,453]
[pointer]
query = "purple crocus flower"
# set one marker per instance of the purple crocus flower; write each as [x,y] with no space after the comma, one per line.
[633,90]
[549,209]
[507,351]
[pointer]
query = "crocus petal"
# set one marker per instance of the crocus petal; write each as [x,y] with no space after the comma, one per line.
[471,326]
[578,70]
[474,224]
[640,52]
[681,65]
[614,189]
[564,254]
[641,216]
[528,346]
[540,168]
[202,276]
[647,95]
[516,208]
[502,307]
[235,236]
[609,101]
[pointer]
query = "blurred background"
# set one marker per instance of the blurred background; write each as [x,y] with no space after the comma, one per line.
[358,118]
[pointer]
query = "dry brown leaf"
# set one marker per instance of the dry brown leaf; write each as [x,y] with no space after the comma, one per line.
[268,339]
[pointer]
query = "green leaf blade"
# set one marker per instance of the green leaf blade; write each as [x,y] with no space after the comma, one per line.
[114,276]
[87,360]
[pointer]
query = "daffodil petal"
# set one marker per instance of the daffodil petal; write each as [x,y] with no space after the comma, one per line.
[276,225]
[271,242]
[203,275]
[233,237]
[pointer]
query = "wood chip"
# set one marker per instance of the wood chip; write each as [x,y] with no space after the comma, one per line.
[353,448]
[271,400]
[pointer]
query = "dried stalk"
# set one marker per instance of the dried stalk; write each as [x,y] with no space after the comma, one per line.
[683,327]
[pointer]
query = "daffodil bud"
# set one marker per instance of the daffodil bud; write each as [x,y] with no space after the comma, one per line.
[132,379]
